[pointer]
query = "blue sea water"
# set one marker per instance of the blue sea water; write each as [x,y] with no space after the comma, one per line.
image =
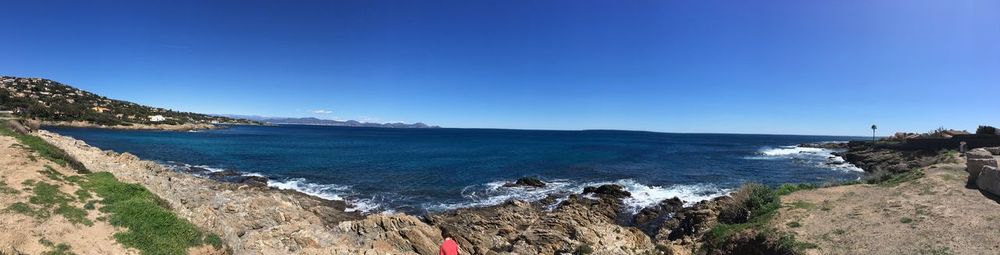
[421,170]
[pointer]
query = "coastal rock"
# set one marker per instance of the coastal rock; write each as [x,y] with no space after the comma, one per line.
[651,219]
[825,145]
[528,228]
[608,191]
[976,159]
[690,223]
[993,150]
[526,182]
[876,159]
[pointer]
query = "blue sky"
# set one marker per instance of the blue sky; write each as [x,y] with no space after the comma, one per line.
[787,67]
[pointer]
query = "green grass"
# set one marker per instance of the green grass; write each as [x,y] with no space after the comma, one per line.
[793,224]
[57,249]
[905,220]
[7,190]
[786,189]
[799,204]
[762,203]
[47,196]
[892,180]
[151,227]
[51,173]
[45,149]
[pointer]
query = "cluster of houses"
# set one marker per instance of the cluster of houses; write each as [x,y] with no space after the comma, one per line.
[46,94]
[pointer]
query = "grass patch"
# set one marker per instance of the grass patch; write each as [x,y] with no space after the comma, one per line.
[151,227]
[51,173]
[57,249]
[744,222]
[47,196]
[4,189]
[793,224]
[905,220]
[886,179]
[786,189]
[45,149]
[799,204]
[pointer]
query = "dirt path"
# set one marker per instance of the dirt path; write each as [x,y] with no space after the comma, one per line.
[34,232]
[934,214]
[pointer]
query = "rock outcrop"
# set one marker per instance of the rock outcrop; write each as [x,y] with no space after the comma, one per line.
[518,227]
[989,180]
[875,159]
[976,159]
[526,182]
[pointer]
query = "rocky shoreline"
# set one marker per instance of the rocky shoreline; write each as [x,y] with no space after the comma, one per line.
[164,127]
[254,218]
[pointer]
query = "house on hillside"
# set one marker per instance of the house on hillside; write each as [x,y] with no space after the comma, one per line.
[157,118]
[99,109]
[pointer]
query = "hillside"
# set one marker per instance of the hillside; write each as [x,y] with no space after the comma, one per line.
[53,101]
[326,122]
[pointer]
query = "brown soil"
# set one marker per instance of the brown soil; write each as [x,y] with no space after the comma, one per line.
[21,233]
[934,214]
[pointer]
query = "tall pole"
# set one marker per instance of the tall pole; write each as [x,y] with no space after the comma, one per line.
[873,133]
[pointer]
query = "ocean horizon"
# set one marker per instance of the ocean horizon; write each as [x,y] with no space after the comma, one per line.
[431,170]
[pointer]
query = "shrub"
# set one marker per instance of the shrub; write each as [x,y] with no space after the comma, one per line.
[986,130]
[749,201]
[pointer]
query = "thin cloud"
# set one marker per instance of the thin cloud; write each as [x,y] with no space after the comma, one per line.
[322,111]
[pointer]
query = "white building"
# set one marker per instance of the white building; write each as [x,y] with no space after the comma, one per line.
[157,118]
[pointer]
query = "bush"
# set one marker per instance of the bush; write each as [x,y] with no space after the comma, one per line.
[986,130]
[749,201]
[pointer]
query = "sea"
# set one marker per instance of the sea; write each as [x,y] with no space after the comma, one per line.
[421,171]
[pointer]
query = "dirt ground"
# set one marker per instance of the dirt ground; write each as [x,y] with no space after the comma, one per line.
[935,214]
[23,234]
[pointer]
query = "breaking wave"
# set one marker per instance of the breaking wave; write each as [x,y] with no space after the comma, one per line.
[816,156]
[494,193]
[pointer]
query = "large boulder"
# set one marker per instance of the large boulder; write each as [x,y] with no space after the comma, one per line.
[989,180]
[613,191]
[993,150]
[976,160]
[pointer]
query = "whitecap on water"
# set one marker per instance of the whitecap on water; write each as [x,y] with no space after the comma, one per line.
[494,193]
[818,157]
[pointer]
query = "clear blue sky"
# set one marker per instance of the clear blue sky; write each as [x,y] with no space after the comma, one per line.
[793,67]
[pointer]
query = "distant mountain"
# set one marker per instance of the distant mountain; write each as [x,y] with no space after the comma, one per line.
[53,101]
[325,122]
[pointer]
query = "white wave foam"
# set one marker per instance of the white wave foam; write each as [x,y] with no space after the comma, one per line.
[324,191]
[819,157]
[495,193]
[790,150]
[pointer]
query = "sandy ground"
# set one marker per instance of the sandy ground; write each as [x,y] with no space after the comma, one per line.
[935,214]
[20,233]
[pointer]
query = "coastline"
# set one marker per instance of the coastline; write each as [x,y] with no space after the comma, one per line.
[164,127]
[261,219]
[270,220]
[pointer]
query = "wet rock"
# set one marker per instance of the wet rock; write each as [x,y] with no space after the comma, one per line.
[825,145]
[526,182]
[608,191]
[651,219]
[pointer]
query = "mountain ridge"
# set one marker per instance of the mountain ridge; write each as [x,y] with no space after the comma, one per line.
[325,122]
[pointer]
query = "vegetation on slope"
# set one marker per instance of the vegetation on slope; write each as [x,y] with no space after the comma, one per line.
[49,100]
